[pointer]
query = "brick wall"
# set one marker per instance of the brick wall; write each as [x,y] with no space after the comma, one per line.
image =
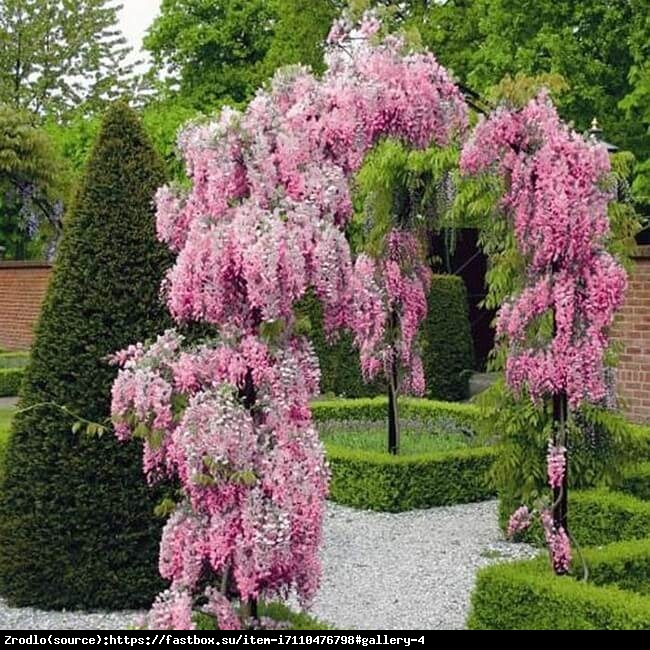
[22,289]
[632,330]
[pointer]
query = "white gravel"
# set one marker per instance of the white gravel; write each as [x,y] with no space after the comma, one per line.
[413,570]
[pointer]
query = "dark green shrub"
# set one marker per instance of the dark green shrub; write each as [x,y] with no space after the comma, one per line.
[376,481]
[448,355]
[339,360]
[76,515]
[528,596]
[10,380]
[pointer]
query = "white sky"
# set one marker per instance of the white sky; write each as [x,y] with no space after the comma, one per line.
[135,18]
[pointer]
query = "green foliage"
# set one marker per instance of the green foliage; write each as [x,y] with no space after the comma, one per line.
[387,483]
[299,33]
[13,359]
[598,517]
[637,482]
[27,158]
[275,611]
[55,56]
[76,515]
[374,409]
[445,339]
[10,381]
[599,442]
[212,51]
[527,596]
[162,120]
[339,360]
[448,355]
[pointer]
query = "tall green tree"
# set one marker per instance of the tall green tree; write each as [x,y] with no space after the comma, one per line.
[300,32]
[77,527]
[212,51]
[58,54]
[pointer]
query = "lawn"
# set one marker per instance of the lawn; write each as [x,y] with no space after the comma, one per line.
[416,437]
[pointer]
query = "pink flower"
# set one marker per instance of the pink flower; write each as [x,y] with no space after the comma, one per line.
[556,464]
[520,522]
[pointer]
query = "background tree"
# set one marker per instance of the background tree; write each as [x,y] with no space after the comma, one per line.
[212,51]
[31,189]
[76,518]
[55,56]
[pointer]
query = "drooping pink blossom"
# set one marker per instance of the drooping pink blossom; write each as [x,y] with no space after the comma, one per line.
[520,521]
[556,464]
[556,198]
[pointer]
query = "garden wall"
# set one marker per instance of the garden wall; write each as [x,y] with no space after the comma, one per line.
[632,331]
[22,290]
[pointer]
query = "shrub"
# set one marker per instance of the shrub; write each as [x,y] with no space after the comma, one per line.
[76,515]
[10,381]
[601,446]
[599,517]
[339,360]
[378,481]
[637,482]
[448,355]
[527,596]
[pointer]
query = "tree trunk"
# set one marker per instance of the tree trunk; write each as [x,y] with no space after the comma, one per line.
[561,494]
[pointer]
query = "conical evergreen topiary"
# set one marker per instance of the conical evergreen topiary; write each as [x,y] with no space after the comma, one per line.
[77,527]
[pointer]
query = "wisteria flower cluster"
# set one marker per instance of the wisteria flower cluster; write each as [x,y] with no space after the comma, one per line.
[557,539]
[390,303]
[261,224]
[557,197]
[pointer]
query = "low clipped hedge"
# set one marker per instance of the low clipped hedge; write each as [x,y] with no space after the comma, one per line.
[377,481]
[13,359]
[640,442]
[10,381]
[637,482]
[599,517]
[527,596]
[376,408]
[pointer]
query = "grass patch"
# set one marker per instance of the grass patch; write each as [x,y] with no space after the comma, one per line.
[416,437]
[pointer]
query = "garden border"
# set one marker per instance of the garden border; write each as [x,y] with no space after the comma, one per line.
[528,596]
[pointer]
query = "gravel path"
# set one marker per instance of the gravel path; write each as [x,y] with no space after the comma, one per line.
[413,570]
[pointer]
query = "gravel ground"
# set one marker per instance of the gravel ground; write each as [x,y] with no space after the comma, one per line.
[413,570]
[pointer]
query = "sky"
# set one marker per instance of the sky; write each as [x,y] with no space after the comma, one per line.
[135,18]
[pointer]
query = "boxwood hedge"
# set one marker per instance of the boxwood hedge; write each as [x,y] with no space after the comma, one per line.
[378,481]
[10,381]
[527,596]
[375,408]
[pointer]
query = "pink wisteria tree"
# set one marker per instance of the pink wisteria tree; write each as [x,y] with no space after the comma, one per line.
[556,193]
[261,225]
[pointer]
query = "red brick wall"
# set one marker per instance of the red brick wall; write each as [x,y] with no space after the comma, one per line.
[632,330]
[22,289]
